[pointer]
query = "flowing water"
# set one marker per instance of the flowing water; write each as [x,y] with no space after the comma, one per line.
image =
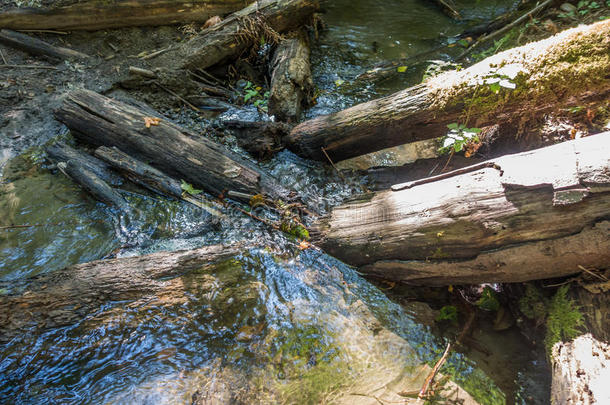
[274,324]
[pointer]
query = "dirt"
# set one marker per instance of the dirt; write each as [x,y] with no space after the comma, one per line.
[28,96]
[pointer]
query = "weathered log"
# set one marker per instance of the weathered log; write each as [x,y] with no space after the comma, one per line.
[97,187]
[570,68]
[65,296]
[60,152]
[581,371]
[533,215]
[291,83]
[101,121]
[98,15]
[241,30]
[37,47]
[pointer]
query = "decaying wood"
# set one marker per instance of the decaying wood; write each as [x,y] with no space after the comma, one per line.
[150,178]
[97,187]
[581,371]
[62,297]
[291,83]
[259,138]
[238,33]
[37,47]
[533,215]
[101,121]
[567,69]
[98,15]
[60,152]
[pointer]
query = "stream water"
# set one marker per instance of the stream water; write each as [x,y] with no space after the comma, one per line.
[273,325]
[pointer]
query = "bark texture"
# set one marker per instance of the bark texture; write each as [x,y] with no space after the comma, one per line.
[238,33]
[570,68]
[35,46]
[98,15]
[65,296]
[101,121]
[532,215]
[581,372]
[291,83]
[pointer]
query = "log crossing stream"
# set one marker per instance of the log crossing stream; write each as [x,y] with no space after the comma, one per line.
[272,324]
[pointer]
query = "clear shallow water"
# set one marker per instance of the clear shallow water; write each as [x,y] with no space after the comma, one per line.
[266,327]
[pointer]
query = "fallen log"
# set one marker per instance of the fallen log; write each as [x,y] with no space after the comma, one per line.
[63,297]
[239,32]
[581,371]
[533,215]
[101,121]
[447,8]
[291,83]
[567,69]
[99,15]
[60,152]
[150,178]
[35,46]
[97,187]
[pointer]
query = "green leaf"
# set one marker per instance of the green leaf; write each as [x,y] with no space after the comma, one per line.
[339,82]
[463,42]
[189,188]
[489,300]
[495,87]
[448,313]
[475,130]
[453,125]
[401,69]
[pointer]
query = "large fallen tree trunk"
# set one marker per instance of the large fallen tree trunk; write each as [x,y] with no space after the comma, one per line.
[239,32]
[570,68]
[98,15]
[581,371]
[532,215]
[101,121]
[65,296]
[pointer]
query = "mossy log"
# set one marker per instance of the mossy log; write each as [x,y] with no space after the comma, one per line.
[63,297]
[568,69]
[239,33]
[581,371]
[103,14]
[533,215]
[291,83]
[102,121]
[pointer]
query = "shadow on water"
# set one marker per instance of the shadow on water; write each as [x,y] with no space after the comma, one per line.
[272,325]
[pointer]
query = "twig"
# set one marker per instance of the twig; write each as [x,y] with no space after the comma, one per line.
[30,226]
[448,160]
[28,67]
[331,162]
[505,28]
[424,389]
[453,173]
[600,276]
[177,96]
[46,31]
[3,58]
[156,53]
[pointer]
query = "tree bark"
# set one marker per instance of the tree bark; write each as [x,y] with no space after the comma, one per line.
[570,68]
[99,15]
[97,187]
[62,297]
[60,152]
[35,46]
[101,121]
[291,83]
[528,216]
[581,371]
[238,33]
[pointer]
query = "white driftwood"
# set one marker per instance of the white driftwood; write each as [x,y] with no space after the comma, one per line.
[532,215]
